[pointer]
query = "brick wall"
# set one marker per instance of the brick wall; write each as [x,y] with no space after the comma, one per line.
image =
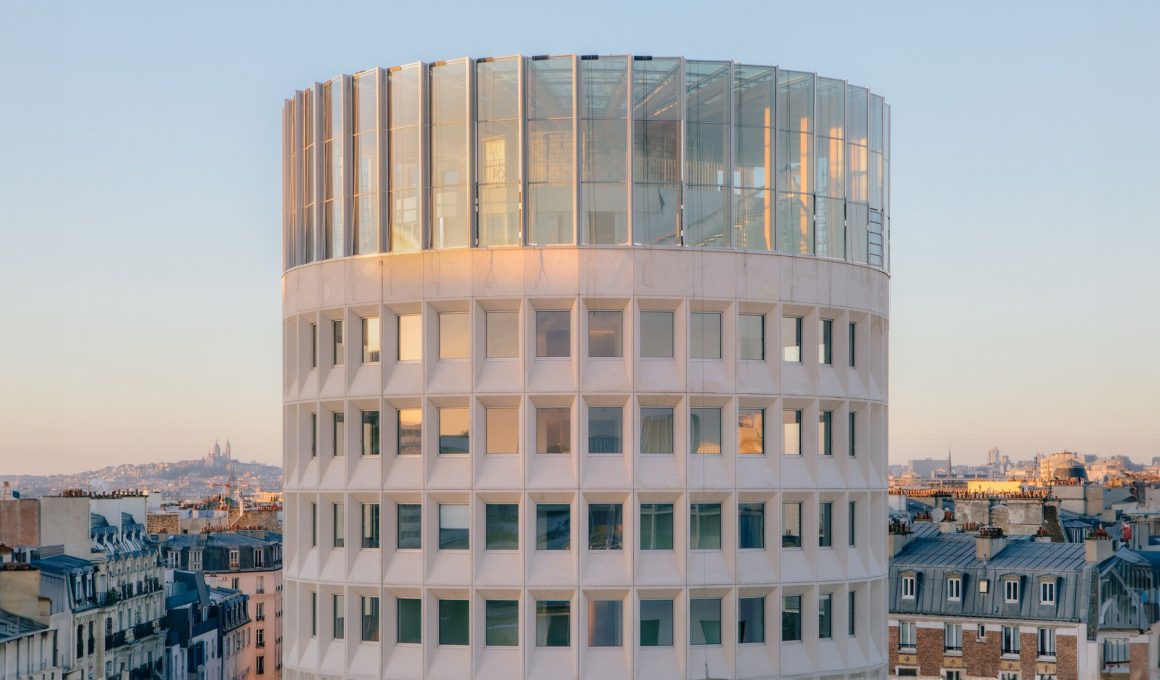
[1138,661]
[1067,657]
[892,647]
[981,657]
[1028,652]
[20,522]
[930,651]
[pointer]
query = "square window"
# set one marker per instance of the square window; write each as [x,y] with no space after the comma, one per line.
[502,526]
[791,339]
[409,533]
[605,329]
[454,622]
[750,620]
[605,623]
[826,341]
[503,430]
[554,430]
[704,526]
[605,425]
[454,430]
[751,526]
[791,525]
[553,333]
[705,335]
[371,338]
[410,431]
[791,426]
[656,526]
[751,430]
[502,623]
[705,621]
[656,335]
[656,430]
[370,433]
[454,523]
[656,623]
[410,337]
[503,333]
[553,526]
[553,623]
[705,430]
[791,618]
[454,335]
[605,526]
[751,337]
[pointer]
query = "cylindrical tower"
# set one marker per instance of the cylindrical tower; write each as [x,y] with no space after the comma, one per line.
[585,371]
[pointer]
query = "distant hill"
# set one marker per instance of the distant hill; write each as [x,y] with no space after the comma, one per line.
[187,479]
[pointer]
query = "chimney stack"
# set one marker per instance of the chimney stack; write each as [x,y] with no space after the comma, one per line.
[989,542]
[1097,547]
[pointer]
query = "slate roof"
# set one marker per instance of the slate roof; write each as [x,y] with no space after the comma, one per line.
[61,564]
[14,625]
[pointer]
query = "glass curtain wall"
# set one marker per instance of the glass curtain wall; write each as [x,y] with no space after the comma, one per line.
[332,95]
[875,245]
[795,205]
[366,162]
[308,190]
[406,171]
[656,142]
[708,134]
[753,132]
[551,166]
[497,151]
[830,172]
[450,219]
[857,184]
[604,150]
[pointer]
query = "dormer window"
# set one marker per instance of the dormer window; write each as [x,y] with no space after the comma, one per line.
[1011,590]
[909,587]
[1047,592]
[955,588]
[235,557]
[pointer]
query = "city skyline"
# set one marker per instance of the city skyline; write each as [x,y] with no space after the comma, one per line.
[144,212]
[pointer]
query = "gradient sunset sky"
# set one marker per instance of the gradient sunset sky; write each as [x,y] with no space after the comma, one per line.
[140,211]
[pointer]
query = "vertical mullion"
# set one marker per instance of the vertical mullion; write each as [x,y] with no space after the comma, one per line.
[576,221]
[681,145]
[630,147]
[470,189]
[521,107]
[346,138]
[425,240]
[382,161]
[730,131]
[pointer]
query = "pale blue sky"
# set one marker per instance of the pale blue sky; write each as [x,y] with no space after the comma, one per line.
[140,210]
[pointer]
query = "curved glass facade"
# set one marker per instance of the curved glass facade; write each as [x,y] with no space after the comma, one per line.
[586,150]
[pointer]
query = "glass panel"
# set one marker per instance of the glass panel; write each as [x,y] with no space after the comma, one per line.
[791,525]
[605,213]
[503,526]
[403,90]
[448,92]
[656,430]
[498,147]
[656,334]
[604,145]
[365,101]
[605,526]
[450,223]
[454,521]
[553,526]
[857,220]
[497,89]
[656,623]
[553,627]
[706,153]
[339,354]
[550,151]
[751,333]
[705,335]
[366,163]
[370,433]
[409,535]
[753,161]
[753,88]
[497,168]
[705,621]
[372,339]
[656,89]
[604,333]
[366,224]
[454,335]
[791,423]
[604,429]
[502,623]
[339,433]
[751,525]
[791,618]
[857,121]
[830,227]
[406,233]
[550,213]
[499,215]
[553,333]
[826,341]
[605,623]
[503,430]
[705,430]
[831,114]
[826,433]
[825,524]
[750,619]
[503,335]
[656,214]
[791,338]
[410,431]
[549,88]
[751,430]
[795,101]
[656,526]
[370,617]
[370,525]
[554,430]
[657,151]
[604,83]
[410,337]
[405,151]
[454,622]
[454,430]
[704,526]
[706,214]
[794,151]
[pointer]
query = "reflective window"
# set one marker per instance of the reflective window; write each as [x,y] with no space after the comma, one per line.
[503,333]
[656,623]
[332,160]
[605,425]
[553,333]
[656,334]
[339,355]
[454,335]
[450,221]
[704,526]
[750,620]
[705,335]
[604,149]
[751,337]
[791,338]
[370,525]
[791,426]
[370,619]
[751,430]
[553,526]
[795,219]
[410,337]
[371,339]
[708,90]
[791,618]
[604,333]
[409,535]
[554,430]
[656,429]
[502,526]
[338,524]
[370,433]
[825,524]
[830,227]
[503,430]
[852,432]
[410,431]
[826,617]
[553,623]
[454,523]
[853,343]
[826,433]
[338,620]
[705,430]
[502,623]
[406,151]
[366,163]
[791,525]
[605,623]
[656,151]
[751,525]
[454,622]
[605,526]
[550,150]
[339,434]
[705,621]
[826,341]
[656,526]
[753,216]
[497,151]
[454,430]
